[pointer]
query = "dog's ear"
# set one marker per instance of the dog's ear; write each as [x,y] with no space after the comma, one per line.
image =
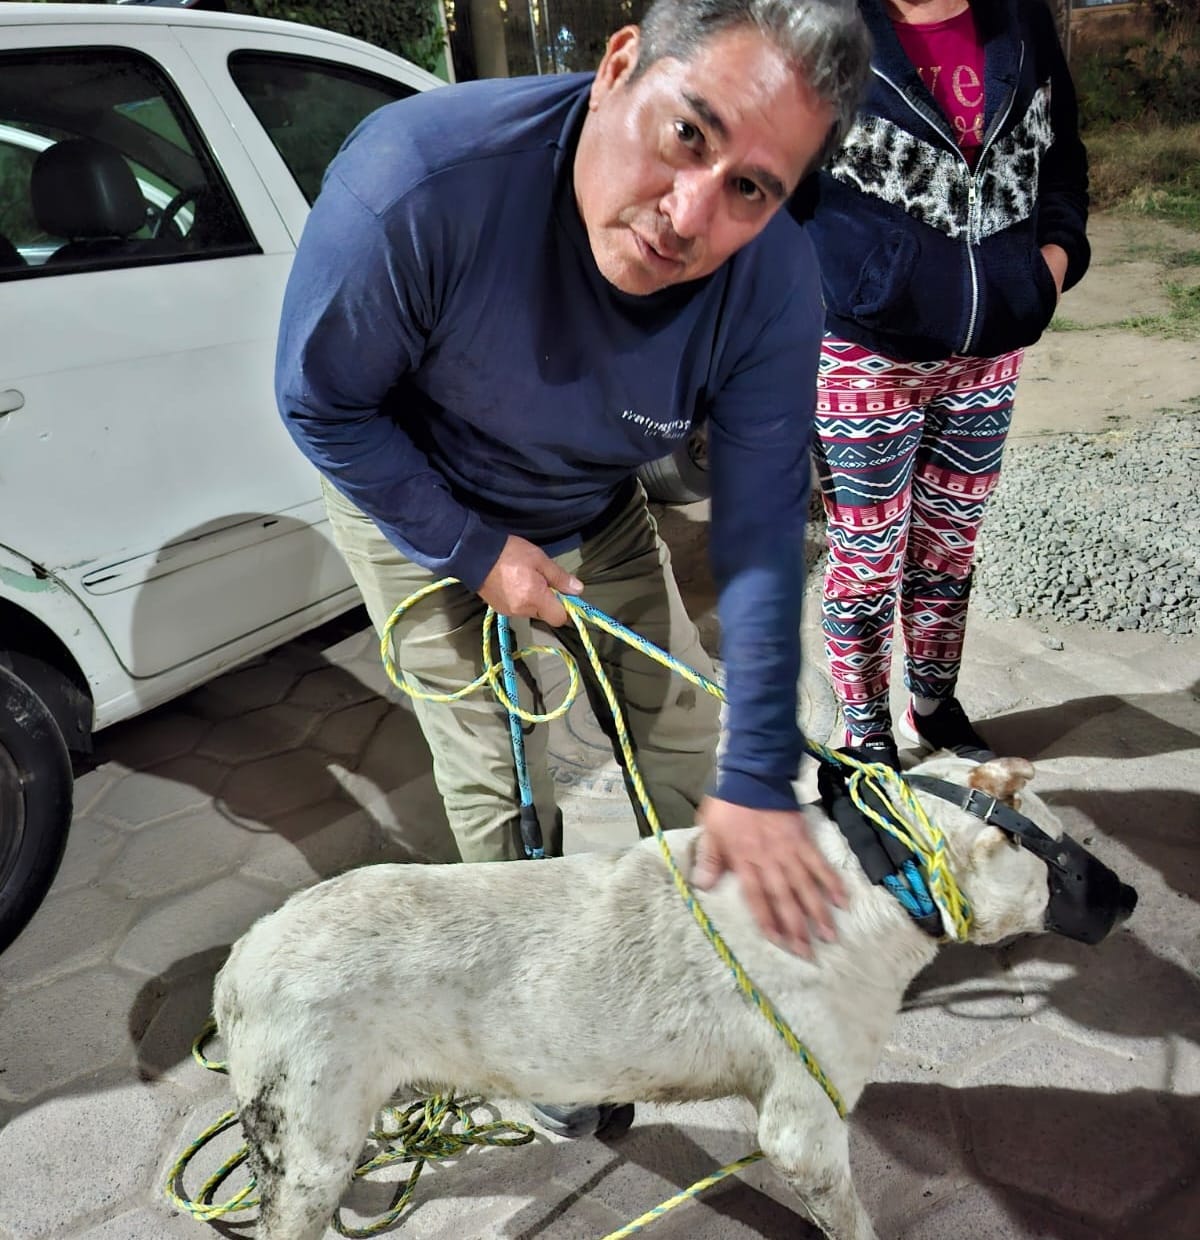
[1002,778]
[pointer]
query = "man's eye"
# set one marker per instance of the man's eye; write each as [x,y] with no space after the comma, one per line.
[748,190]
[687,133]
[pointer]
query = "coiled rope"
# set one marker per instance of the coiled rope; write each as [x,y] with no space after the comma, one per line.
[420,1131]
[437,1127]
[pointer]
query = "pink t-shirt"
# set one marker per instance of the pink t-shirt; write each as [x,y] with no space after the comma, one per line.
[949,58]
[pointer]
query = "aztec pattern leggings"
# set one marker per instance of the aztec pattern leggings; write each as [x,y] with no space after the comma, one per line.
[907,454]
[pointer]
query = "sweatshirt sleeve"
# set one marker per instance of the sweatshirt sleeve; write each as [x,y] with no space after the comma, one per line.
[759,435]
[360,303]
[1063,175]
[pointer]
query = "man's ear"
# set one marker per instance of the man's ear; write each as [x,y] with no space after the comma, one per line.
[620,60]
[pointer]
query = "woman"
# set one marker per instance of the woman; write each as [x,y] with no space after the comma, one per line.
[948,225]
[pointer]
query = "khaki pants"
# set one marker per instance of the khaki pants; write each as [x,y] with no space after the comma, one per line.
[626,571]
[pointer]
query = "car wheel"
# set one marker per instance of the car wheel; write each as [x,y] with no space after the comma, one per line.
[36,790]
[682,477]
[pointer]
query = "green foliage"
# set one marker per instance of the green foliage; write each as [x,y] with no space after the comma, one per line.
[1152,79]
[409,28]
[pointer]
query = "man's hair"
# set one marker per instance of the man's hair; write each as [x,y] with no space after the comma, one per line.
[826,40]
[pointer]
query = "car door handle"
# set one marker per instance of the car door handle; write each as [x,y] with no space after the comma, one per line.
[11,401]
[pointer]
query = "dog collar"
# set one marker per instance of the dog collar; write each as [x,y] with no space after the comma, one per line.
[1086,898]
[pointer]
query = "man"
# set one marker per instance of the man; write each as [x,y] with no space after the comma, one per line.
[511,294]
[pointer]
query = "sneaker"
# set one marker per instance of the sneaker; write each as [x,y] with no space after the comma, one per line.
[946,728]
[878,747]
[605,1119]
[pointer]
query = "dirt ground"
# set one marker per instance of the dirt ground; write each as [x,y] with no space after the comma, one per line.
[1098,375]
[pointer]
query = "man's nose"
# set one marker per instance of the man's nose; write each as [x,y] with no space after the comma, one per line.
[692,202]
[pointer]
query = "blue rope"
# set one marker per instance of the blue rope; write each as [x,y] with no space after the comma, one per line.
[909,888]
[531,831]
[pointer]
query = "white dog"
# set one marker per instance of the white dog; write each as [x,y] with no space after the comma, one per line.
[585,978]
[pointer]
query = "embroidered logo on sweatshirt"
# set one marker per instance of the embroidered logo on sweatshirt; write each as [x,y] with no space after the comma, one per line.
[675,429]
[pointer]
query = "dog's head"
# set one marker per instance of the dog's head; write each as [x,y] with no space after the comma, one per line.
[1016,867]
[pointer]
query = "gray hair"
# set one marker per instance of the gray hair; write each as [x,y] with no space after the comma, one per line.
[826,40]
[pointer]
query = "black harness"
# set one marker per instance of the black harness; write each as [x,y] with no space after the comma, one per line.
[887,861]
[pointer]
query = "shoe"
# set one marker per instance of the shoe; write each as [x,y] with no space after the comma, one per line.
[946,728]
[878,747]
[605,1119]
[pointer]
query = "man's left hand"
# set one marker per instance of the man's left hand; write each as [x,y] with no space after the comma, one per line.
[785,878]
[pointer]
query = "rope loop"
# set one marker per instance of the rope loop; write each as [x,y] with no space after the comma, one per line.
[436,1127]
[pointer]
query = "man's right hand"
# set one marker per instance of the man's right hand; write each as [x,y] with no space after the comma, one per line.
[522,583]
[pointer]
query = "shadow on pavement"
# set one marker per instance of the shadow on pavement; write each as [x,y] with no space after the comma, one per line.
[1103,726]
[1058,1164]
[1119,987]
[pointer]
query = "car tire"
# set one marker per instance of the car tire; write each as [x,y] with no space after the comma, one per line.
[36,792]
[682,477]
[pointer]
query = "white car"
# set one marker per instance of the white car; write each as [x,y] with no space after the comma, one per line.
[157,525]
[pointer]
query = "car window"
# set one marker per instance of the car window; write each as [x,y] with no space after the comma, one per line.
[101,165]
[308,107]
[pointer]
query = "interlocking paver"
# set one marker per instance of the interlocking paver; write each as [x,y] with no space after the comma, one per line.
[180,853]
[153,738]
[174,1016]
[327,689]
[316,843]
[270,788]
[261,683]
[982,1216]
[1117,1147]
[173,787]
[79,1156]
[346,731]
[58,1033]
[77,931]
[161,1222]
[208,919]
[91,846]
[257,734]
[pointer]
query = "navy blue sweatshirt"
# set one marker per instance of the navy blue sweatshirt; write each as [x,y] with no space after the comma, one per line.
[922,256]
[452,359]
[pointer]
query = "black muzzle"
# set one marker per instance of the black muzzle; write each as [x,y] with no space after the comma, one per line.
[1086,898]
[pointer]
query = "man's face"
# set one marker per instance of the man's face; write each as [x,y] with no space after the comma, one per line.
[684,165]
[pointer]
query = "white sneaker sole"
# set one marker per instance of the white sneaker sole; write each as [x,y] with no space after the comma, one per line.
[908,730]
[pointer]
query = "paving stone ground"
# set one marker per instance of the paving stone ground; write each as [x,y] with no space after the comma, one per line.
[1041,1090]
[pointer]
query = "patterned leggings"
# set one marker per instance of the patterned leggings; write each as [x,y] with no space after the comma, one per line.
[907,455]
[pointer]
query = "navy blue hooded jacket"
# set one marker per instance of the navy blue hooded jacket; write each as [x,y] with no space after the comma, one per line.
[921,255]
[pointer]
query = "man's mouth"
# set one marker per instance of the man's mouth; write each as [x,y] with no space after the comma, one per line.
[658,255]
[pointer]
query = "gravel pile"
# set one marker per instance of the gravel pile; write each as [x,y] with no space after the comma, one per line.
[1100,529]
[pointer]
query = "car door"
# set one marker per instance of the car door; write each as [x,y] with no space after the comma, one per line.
[182,514]
[293,99]
[142,464]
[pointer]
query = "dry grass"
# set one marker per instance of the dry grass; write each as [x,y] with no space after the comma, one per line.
[1149,170]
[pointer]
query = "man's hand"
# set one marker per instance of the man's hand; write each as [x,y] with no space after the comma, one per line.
[1056,259]
[522,583]
[785,878]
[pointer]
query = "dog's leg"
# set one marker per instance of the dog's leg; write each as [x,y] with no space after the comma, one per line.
[305,1136]
[808,1144]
